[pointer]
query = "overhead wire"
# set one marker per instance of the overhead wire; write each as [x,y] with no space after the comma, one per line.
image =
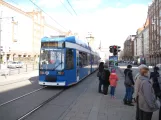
[66,7]
[71,7]
[47,14]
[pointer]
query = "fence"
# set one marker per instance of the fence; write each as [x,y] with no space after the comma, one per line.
[26,68]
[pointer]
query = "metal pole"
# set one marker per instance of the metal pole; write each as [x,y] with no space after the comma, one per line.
[0,38]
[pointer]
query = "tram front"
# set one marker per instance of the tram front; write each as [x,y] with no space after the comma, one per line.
[51,65]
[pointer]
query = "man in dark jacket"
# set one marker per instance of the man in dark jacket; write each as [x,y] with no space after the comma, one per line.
[154,76]
[105,77]
[101,69]
[129,87]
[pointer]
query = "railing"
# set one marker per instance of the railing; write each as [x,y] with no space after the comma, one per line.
[26,68]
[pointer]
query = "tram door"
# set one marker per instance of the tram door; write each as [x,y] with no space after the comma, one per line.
[77,67]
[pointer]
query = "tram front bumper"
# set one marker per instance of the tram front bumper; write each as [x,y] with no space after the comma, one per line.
[52,83]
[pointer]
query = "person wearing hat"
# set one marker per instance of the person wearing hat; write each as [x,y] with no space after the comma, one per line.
[146,96]
[154,76]
[137,83]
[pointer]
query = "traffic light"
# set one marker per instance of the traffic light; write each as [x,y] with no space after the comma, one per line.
[111,49]
[118,48]
[114,49]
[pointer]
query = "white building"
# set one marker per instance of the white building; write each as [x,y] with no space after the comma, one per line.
[141,42]
[22,32]
[17,32]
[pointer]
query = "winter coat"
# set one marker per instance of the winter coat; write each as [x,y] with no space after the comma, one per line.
[113,79]
[146,96]
[106,75]
[154,76]
[137,84]
[129,73]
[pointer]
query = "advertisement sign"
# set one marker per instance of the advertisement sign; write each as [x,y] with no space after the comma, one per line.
[113,61]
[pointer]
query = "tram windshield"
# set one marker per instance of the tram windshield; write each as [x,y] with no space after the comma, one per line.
[52,59]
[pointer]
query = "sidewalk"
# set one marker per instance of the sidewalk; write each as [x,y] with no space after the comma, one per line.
[18,76]
[94,106]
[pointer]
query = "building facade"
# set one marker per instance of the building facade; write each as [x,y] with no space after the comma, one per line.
[22,32]
[154,14]
[141,43]
[129,48]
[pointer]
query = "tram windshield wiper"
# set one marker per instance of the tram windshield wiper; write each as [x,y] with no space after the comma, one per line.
[58,65]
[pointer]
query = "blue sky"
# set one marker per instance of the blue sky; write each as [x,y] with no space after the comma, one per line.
[111,21]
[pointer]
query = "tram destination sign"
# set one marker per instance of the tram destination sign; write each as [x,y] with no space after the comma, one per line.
[52,44]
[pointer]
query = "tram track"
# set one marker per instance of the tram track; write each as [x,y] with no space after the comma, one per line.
[40,105]
[28,103]
[12,100]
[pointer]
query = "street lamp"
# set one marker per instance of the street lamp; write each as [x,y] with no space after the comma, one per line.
[1,32]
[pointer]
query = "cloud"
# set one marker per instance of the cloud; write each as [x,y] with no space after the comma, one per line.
[110,25]
[86,4]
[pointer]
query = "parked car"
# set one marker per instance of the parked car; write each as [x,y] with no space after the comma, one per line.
[15,65]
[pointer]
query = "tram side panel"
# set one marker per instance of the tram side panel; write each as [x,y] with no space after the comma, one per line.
[70,71]
[83,65]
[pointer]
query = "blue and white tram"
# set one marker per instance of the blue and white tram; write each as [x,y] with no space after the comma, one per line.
[65,61]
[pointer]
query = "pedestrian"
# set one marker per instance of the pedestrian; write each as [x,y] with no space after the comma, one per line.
[113,83]
[137,83]
[129,84]
[105,77]
[99,75]
[156,81]
[146,96]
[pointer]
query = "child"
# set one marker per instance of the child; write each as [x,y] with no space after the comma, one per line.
[113,82]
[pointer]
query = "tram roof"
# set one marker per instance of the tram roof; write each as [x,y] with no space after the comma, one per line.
[71,39]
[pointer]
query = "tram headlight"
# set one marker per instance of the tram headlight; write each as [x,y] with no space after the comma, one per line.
[42,72]
[60,73]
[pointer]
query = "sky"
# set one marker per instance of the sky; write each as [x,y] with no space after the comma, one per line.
[110,21]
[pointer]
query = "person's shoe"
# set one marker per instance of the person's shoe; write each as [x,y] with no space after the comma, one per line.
[130,104]
[125,102]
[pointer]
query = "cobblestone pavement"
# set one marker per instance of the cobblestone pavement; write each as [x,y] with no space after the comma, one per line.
[94,106]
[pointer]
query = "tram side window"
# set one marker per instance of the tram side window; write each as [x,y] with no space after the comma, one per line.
[83,59]
[69,59]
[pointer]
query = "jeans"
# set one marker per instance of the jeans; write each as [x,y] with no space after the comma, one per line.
[145,115]
[128,94]
[112,92]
